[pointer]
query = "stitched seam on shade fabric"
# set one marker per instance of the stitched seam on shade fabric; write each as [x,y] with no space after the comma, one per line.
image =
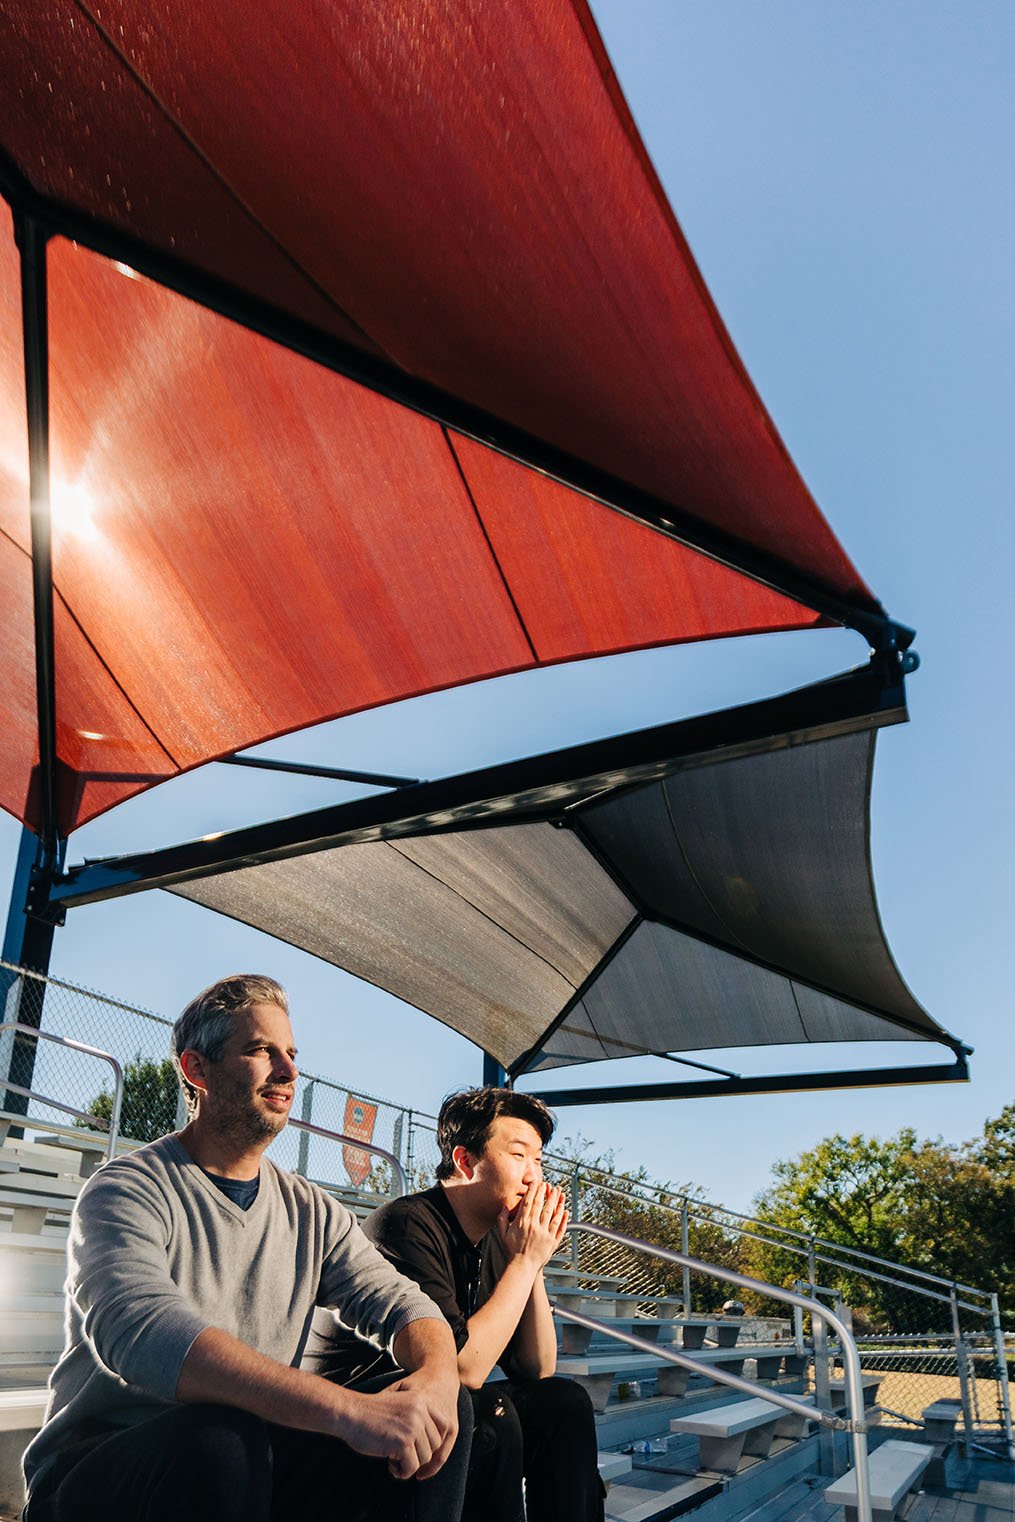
[577,1001]
[694,876]
[115,680]
[434,877]
[248,211]
[489,544]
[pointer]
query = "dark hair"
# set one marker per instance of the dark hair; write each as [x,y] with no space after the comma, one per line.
[465,1120]
[207,1020]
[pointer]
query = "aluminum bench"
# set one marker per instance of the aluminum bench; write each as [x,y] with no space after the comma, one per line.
[895,1469]
[726,1433]
[597,1372]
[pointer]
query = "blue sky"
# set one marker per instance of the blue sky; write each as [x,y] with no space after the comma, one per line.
[843,176]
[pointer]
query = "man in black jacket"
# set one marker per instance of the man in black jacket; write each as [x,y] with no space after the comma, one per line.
[477,1244]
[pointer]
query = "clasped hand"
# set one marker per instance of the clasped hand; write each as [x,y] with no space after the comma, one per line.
[536,1227]
[413,1424]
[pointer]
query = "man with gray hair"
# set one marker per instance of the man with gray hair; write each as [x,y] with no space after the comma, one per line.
[195,1266]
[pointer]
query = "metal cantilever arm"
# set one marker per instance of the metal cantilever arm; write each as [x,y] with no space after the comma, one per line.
[855,1424]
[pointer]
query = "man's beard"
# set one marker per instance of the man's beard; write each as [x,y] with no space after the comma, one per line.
[238,1119]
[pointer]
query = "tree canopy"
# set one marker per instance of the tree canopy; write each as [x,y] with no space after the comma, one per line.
[944,1208]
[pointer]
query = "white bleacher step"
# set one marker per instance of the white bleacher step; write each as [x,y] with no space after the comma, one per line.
[31,1302]
[52,1155]
[750,1426]
[612,1465]
[25,1181]
[596,1371]
[641,1497]
[52,1240]
[940,1419]
[607,1303]
[871,1384]
[23,1410]
[32,1332]
[895,1469]
[575,1339]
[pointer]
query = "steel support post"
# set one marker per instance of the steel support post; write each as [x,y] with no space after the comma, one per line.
[494,1076]
[1002,1375]
[28,942]
[685,1248]
[307,1114]
[962,1362]
[575,1211]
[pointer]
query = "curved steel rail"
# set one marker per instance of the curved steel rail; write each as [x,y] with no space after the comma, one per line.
[113,1123]
[359,1144]
[854,1424]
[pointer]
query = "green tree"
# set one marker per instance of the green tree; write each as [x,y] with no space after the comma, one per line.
[942,1208]
[151,1094]
[635,1205]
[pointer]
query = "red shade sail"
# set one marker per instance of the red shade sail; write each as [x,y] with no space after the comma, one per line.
[246,543]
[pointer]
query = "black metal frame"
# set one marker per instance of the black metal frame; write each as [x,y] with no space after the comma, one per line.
[31,241]
[387,379]
[784,1083]
[534,789]
[330,773]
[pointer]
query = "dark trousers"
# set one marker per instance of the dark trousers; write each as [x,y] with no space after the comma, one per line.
[543,1429]
[205,1463]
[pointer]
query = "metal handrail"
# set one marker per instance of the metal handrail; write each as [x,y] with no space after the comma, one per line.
[854,1424]
[359,1144]
[113,1124]
[706,1212]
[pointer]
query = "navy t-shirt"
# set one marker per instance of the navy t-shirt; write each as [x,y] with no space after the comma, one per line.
[242,1191]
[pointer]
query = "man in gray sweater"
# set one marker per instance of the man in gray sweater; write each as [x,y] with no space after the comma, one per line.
[195,1266]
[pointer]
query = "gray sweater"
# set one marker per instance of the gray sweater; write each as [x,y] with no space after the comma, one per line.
[158,1253]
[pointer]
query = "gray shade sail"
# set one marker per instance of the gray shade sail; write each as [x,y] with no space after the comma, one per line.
[726,903]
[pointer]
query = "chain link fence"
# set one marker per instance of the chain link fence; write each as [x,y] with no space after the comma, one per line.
[152,1102]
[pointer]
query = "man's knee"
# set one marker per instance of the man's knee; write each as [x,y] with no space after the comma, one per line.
[223,1453]
[497,1439]
[558,1404]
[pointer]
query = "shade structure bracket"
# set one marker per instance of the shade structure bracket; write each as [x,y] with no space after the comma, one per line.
[540,788]
[331,773]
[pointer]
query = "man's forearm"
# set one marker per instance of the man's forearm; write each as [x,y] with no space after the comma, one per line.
[535,1345]
[224,1371]
[495,1323]
[426,1346]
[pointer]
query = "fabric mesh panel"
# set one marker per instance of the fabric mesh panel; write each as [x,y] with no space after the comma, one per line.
[514,931]
[667,992]
[769,855]
[443,923]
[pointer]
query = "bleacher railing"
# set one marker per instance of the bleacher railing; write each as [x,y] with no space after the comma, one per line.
[855,1424]
[948,1339]
[112,1125]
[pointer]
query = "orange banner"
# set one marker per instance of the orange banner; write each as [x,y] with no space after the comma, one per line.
[359,1122]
